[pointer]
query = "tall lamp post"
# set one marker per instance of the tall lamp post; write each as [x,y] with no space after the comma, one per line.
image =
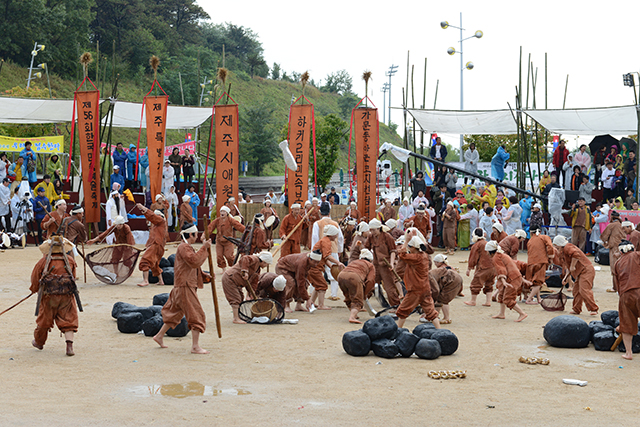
[629,80]
[469,66]
[32,76]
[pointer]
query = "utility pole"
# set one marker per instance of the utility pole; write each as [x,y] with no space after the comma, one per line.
[392,70]
[385,88]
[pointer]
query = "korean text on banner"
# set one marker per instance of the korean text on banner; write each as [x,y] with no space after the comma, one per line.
[301,118]
[41,145]
[89,139]
[367,141]
[227,147]
[156,115]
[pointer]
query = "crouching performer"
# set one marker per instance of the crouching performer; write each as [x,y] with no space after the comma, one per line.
[183,299]
[246,272]
[272,285]
[53,278]
[416,280]
[295,268]
[356,282]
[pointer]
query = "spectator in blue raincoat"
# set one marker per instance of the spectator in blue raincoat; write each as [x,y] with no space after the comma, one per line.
[498,162]
[120,159]
[29,165]
[116,176]
[526,204]
[194,202]
[131,162]
[142,168]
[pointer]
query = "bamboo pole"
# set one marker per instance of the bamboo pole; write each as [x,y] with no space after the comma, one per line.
[424,104]
[564,103]
[214,293]
[413,105]
[435,98]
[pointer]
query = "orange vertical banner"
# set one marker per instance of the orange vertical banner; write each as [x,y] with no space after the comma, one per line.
[300,132]
[156,111]
[367,142]
[89,139]
[227,151]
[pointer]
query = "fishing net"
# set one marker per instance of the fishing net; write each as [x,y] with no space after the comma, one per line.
[113,264]
[554,302]
[386,311]
[263,311]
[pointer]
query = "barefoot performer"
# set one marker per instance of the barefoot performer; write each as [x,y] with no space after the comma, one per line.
[53,279]
[226,226]
[384,248]
[295,268]
[448,283]
[578,266]
[245,273]
[416,279]
[629,290]
[183,299]
[509,281]
[485,273]
[356,282]
[289,223]
[120,230]
[540,253]
[155,245]
[316,277]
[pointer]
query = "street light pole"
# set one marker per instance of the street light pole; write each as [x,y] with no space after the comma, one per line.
[469,66]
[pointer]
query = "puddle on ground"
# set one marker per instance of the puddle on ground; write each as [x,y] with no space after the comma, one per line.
[180,391]
[543,347]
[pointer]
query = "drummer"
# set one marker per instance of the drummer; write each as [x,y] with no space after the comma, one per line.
[268,212]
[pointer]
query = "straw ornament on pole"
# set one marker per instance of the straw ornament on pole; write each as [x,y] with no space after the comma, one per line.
[155,63]
[366,76]
[304,79]
[222,76]
[85,60]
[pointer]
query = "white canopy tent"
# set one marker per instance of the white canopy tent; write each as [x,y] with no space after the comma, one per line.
[584,121]
[126,114]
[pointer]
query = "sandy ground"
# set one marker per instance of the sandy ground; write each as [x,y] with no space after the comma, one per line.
[296,374]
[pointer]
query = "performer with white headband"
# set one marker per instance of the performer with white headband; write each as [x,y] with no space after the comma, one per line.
[155,245]
[246,272]
[540,254]
[356,282]
[225,225]
[73,228]
[289,222]
[53,220]
[183,299]
[121,232]
[357,244]
[509,281]
[485,273]
[295,268]
[578,266]
[272,285]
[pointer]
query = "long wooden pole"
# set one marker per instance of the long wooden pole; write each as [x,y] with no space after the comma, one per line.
[84,261]
[24,299]
[293,231]
[213,282]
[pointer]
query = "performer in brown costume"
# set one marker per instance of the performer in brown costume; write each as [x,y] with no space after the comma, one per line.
[295,268]
[120,230]
[53,279]
[155,245]
[387,212]
[259,240]
[316,278]
[420,221]
[416,279]
[509,281]
[450,219]
[183,299]
[611,237]
[356,281]
[266,212]
[226,225]
[497,232]
[446,283]
[348,231]
[357,243]
[289,222]
[384,248]
[540,253]
[186,211]
[305,234]
[393,230]
[161,204]
[511,244]
[633,235]
[53,220]
[72,227]
[578,266]
[485,274]
[352,212]
[625,271]
[245,273]
[272,285]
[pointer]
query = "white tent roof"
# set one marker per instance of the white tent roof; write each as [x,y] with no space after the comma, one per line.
[499,122]
[588,121]
[29,110]
[127,115]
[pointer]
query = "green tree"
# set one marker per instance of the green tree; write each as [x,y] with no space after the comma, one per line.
[275,71]
[338,82]
[331,131]
[258,144]
[347,102]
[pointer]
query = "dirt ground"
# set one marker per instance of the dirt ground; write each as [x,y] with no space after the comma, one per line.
[296,374]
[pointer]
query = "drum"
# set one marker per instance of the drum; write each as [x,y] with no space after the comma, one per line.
[272,223]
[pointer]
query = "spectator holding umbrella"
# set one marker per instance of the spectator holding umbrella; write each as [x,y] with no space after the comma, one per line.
[599,161]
